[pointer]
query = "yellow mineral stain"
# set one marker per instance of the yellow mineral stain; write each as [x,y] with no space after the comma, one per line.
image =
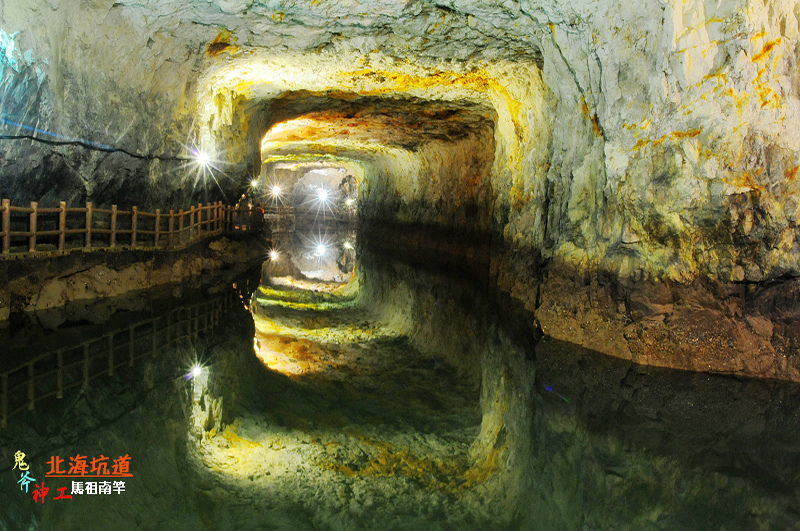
[791,173]
[768,47]
[443,475]
[589,115]
[686,134]
[232,437]
[742,180]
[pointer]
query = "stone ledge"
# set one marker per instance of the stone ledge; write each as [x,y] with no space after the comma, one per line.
[34,283]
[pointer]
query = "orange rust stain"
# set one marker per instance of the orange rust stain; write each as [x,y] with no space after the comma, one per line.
[743,180]
[791,173]
[221,43]
[768,47]
[472,183]
[660,140]
[640,144]
[686,134]
[587,113]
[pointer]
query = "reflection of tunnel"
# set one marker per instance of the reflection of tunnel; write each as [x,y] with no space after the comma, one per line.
[496,233]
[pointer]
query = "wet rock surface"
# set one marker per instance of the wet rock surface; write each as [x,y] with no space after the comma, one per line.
[65,283]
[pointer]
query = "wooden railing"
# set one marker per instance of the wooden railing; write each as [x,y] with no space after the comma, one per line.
[280,218]
[49,374]
[32,229]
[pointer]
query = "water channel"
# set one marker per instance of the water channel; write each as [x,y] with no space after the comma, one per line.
[321,391]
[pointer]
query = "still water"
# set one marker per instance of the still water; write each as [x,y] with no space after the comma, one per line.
[321,393]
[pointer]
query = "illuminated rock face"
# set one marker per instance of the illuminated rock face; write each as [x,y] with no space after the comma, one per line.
[616,153]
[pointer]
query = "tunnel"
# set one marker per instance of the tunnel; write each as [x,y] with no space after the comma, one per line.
[399,265]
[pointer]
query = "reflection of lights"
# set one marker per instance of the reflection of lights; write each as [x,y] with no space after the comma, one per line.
[196,371]
[273,255]
[322,195]
[348,245]
[275,191]
[320,249]
[350,202]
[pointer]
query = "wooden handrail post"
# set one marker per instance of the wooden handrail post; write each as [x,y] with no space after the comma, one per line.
[134,219]
[88,243]
[6,225]
[113,227]
[62,225]
[217,216]
[170,241]
[191,222]
[180,226]
[157,228]
[32,238]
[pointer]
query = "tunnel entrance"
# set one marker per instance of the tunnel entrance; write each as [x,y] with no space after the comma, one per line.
[311,212]
[310,192]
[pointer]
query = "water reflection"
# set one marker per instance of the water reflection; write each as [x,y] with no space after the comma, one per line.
[321,252]
[384,395]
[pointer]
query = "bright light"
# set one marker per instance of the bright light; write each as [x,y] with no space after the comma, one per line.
[275,191]
[273,255]
[254,183]
[348,245]
[321,249]
[202,158]
[196,371]
[322,194]
[350,202]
